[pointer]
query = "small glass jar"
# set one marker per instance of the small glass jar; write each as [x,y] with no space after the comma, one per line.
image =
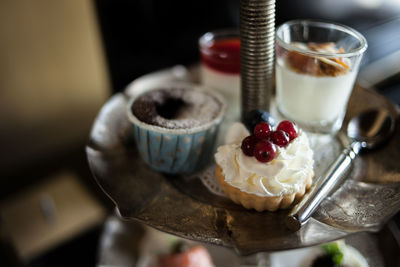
[220,67]
[316,67]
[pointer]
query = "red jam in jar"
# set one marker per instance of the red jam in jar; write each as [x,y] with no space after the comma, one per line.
[222,54]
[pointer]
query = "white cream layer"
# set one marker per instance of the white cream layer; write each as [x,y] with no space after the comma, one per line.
[312,99]
[285,174]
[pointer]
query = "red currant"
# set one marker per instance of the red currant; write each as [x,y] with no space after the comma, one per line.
[279,138]
[262,130]
[264,151]
[248,145]
[288,127]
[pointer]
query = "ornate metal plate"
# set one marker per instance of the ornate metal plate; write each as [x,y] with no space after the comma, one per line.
[183,205]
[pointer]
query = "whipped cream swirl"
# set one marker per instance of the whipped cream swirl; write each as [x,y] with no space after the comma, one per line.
[285,174]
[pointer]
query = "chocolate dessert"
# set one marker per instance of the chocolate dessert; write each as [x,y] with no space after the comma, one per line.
[176,108]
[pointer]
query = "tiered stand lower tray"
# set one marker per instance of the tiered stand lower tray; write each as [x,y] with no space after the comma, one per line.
[183,206]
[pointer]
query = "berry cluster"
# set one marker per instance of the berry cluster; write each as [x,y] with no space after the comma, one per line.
[262,144]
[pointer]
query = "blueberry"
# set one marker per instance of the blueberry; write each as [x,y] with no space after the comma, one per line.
[252,118]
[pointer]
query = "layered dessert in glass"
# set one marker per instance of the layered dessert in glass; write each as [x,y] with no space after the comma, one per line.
[220,66]
[316,67]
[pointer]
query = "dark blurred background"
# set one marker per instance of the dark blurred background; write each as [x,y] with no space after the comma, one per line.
[59,63]
[165,33]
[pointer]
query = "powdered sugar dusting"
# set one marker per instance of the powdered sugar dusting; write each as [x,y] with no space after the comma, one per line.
[176,108]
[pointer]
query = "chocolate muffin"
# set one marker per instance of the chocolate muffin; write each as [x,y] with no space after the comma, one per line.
[175,126]
[176,108]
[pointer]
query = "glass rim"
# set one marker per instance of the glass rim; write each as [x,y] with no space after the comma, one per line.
[323,24]
[207,37]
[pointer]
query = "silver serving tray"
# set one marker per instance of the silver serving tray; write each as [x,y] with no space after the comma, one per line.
[183,206]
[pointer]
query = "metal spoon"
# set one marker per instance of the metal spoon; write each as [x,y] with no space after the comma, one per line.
[367,130]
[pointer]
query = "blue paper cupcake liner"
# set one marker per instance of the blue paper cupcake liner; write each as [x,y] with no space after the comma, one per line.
[176,151]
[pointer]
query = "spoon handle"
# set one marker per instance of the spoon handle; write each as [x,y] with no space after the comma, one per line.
[302,212]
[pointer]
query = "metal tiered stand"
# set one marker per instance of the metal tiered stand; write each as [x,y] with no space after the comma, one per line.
[183,206]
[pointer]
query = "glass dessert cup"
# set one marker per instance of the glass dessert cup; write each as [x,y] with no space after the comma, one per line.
[220,66]
[316,67]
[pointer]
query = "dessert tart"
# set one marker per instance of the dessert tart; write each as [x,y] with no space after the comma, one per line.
[268,170]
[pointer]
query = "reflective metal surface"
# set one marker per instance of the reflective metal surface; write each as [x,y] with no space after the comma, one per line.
[366,130]
[184,207]
[257,49]
[371,128]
